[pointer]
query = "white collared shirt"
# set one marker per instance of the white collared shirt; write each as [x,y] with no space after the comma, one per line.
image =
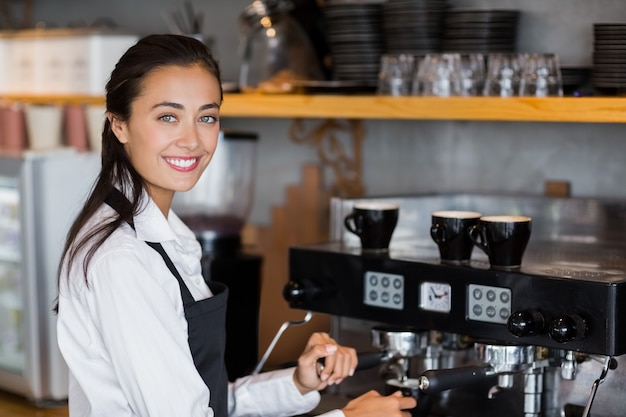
[123,333]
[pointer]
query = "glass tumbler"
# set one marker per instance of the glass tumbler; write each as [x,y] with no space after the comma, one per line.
[472,74]
[438,75]
[541,76]
[396,74]
[503,75]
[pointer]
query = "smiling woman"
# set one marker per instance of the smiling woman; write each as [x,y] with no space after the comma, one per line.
[141,330]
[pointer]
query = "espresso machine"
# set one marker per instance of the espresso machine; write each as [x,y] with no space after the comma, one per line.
[543,340]
[216,209]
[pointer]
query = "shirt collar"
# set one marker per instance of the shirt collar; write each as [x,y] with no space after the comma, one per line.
[150,224]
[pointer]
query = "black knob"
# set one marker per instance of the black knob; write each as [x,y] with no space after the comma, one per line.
[526,323]
[294,292]
[297,293]
[568,328]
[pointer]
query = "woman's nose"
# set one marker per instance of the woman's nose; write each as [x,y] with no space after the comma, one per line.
[189,138]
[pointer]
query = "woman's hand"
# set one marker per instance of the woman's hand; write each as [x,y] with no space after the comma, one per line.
[372,404]
[339,363]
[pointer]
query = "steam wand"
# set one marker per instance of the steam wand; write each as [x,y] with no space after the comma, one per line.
[279,333]
[609,364]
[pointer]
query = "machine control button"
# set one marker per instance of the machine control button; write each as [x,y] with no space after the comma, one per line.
[477,310]
[526,323]
[568,328]
[488,304]
[397,299]
[374,279]
[383,290]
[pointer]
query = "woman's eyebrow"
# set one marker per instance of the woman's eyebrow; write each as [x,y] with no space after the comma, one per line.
[180,106]
[210,106]
[169,104]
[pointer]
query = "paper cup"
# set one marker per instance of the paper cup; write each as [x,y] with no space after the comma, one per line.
[95,123]
[44,125]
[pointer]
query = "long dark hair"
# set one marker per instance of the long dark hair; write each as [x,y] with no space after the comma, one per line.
[125,84]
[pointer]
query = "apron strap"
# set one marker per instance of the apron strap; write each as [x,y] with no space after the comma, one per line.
[186,294]
[115,199]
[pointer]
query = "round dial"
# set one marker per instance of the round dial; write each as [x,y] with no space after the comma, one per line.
[435,296]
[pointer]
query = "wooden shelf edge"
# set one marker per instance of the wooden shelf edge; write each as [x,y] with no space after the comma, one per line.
[290,106]
[54,99]
[524,109]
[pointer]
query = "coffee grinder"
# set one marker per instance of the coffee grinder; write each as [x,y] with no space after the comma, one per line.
[216,210]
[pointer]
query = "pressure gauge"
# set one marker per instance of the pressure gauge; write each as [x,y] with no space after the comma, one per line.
[435,296]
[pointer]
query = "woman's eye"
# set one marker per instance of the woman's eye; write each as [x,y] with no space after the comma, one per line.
[208,119]
[168,118]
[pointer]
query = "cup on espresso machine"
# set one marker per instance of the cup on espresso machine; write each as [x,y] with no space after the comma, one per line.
[374,223]
[449,230]
[503,239]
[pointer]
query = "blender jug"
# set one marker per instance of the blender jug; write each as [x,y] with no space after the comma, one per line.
[217,207]
[275,48]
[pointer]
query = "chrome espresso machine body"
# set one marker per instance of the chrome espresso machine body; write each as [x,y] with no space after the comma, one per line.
[545,340]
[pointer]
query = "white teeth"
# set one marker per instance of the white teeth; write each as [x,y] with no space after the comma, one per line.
[181,163]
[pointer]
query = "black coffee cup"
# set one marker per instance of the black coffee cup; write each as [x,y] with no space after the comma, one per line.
[450,231]
[503,239]
[373,223]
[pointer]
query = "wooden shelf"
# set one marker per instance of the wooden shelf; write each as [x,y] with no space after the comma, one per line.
[522,109]
[54,99]
[289,106]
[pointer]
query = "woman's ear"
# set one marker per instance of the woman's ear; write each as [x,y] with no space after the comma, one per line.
[118,127]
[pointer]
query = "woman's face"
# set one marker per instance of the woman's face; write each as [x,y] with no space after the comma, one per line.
[172,132]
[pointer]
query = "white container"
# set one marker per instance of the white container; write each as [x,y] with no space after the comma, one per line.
[91,58]
[95,115]
[23,67]
[61,61]
[44,126]
[5,57]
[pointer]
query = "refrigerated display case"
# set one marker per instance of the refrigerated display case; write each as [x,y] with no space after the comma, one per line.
[40,194]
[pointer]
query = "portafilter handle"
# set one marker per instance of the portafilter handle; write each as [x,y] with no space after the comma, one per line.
[437,380]
[366,360]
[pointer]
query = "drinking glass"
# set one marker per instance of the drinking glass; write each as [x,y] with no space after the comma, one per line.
[472,74]
[438,75]
[503,74]
[396,74]
[541,76]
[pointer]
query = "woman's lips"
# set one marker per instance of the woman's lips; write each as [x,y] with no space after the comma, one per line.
[182,164]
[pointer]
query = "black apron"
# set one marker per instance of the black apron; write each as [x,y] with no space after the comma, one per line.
[206,326]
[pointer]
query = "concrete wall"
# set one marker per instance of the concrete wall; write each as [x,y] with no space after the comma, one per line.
[422,156]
